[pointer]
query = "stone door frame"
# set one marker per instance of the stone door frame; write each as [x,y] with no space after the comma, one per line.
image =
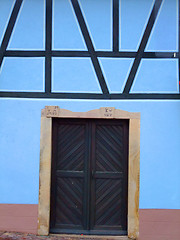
[50,112]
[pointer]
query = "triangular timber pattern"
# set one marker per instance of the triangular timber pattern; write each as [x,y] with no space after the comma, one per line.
[165,28]
[28,32]
[74,75]
[98,23]
[150,72]
[134,18]
[116,71]
[6,8]
[66,26]
[48,53]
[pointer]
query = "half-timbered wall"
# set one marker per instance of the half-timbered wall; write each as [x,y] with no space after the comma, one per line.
[108,49]
[83,55]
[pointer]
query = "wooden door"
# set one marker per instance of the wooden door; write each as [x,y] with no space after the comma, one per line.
[89,176]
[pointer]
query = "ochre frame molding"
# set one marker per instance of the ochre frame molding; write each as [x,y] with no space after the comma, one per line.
[50,112]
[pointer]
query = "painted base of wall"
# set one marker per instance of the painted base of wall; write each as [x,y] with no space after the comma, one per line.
[19,218]
[155,224]
[159,224]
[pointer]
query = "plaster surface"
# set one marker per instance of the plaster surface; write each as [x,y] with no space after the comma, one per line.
[159,152]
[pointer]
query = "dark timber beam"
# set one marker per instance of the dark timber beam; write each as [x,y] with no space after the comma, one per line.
[142,46]
[90,46]
[22,53]
[115,25]
[9,29]
[89,95]
[69,53]
[48,46]
[48,54]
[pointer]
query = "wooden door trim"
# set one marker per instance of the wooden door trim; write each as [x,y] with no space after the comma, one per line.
[50,112]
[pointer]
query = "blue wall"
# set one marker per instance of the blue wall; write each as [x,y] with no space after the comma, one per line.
[160,120]
[159,157]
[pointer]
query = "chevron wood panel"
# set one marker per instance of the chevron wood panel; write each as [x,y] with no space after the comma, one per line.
[71,147]
[69,201]
[89,176]
[108,202]
[109,183]
[67,191]
[109,148]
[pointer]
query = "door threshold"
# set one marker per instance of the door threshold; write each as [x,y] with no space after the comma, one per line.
[93,237]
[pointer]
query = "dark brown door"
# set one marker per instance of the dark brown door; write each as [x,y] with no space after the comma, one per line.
[89,176]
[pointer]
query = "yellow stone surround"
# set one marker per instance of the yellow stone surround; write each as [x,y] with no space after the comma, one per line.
[45,161]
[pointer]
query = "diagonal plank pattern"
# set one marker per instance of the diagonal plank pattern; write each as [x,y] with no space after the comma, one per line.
[109,148]
[110,178]
[71,147]
[108,202]
[89,176]
[69,201]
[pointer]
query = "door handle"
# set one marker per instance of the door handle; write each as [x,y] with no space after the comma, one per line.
[92,173]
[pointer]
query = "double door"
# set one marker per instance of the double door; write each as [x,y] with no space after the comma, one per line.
[89,176]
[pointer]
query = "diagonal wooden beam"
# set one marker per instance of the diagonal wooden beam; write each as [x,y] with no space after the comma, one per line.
[90,46]
[9,29]
[142,45]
